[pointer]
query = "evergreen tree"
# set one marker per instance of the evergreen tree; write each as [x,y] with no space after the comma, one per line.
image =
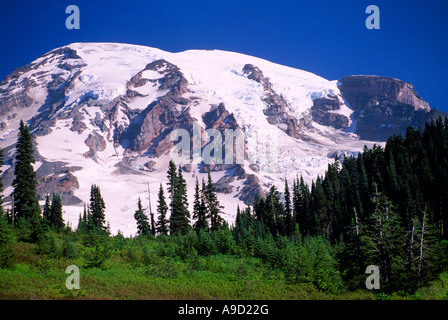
[322,222]
[180,216]
[83,222]
[288,212]
[162,209]
[143,227]
[26,204]
[172,184]
[184,213]
[56,220]
[47,210]
[199,209]
[385,241]
[97,208]
[213,206]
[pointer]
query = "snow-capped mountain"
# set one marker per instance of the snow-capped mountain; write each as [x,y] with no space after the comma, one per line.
[104,113]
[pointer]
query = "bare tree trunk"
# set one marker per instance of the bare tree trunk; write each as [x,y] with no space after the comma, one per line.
[356,228]
[420,258]
[358,242]
[153,226]
[410,243]
[382,251]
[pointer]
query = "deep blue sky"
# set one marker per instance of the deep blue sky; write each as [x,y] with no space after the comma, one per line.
[326,37]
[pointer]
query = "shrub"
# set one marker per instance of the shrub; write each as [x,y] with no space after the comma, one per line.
[205,245]
[46,245]
[96,256]
[69,248]
[225,243]
[6,252]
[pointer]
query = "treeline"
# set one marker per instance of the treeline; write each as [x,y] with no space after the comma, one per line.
[385,207]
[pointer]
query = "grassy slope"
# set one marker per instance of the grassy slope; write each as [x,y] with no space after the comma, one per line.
[139,271]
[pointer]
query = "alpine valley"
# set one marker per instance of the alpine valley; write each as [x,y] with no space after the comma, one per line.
[103,113]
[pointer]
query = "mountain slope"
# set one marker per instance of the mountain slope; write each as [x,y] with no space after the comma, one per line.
[104,113]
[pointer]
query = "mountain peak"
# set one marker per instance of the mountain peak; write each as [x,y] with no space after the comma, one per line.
[105,113]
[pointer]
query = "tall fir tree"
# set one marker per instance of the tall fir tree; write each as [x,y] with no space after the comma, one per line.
[385,241]
[83,222]
[213,206]
[183,214]
[289,228]
[162,210]
[46,214]
[97,208]
[199,209]
[56,219]
[142,220]
[172,189]
[26,204]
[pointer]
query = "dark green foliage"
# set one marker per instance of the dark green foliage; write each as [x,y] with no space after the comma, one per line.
[46,244]
[97,208]
[52,214]
[96,256]
[46,214]
[162,209]
[177,189]
[288,221]
[205,245]
[385,242]
[26,204]
[56,220]
[199,208]
[69,250]
[224,241]
[6,240]
[83,222]
[212,205]
[142,220]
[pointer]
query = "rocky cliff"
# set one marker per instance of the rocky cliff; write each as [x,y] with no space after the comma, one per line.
[384,106]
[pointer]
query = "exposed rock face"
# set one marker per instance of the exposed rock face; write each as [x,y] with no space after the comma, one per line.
[383,106]
[95,142]
[277,110]
[57,177]
[220,119]
[223,184]
[361,91]
[150,129]
[322,112]
[252,188]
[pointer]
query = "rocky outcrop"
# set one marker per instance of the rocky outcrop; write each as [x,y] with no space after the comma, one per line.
[361,91]
[277,107]
[323,113]
[16,92]
[95,141]
[150,129]
[251,189]
[220,119]
[57,177]
[384,106]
